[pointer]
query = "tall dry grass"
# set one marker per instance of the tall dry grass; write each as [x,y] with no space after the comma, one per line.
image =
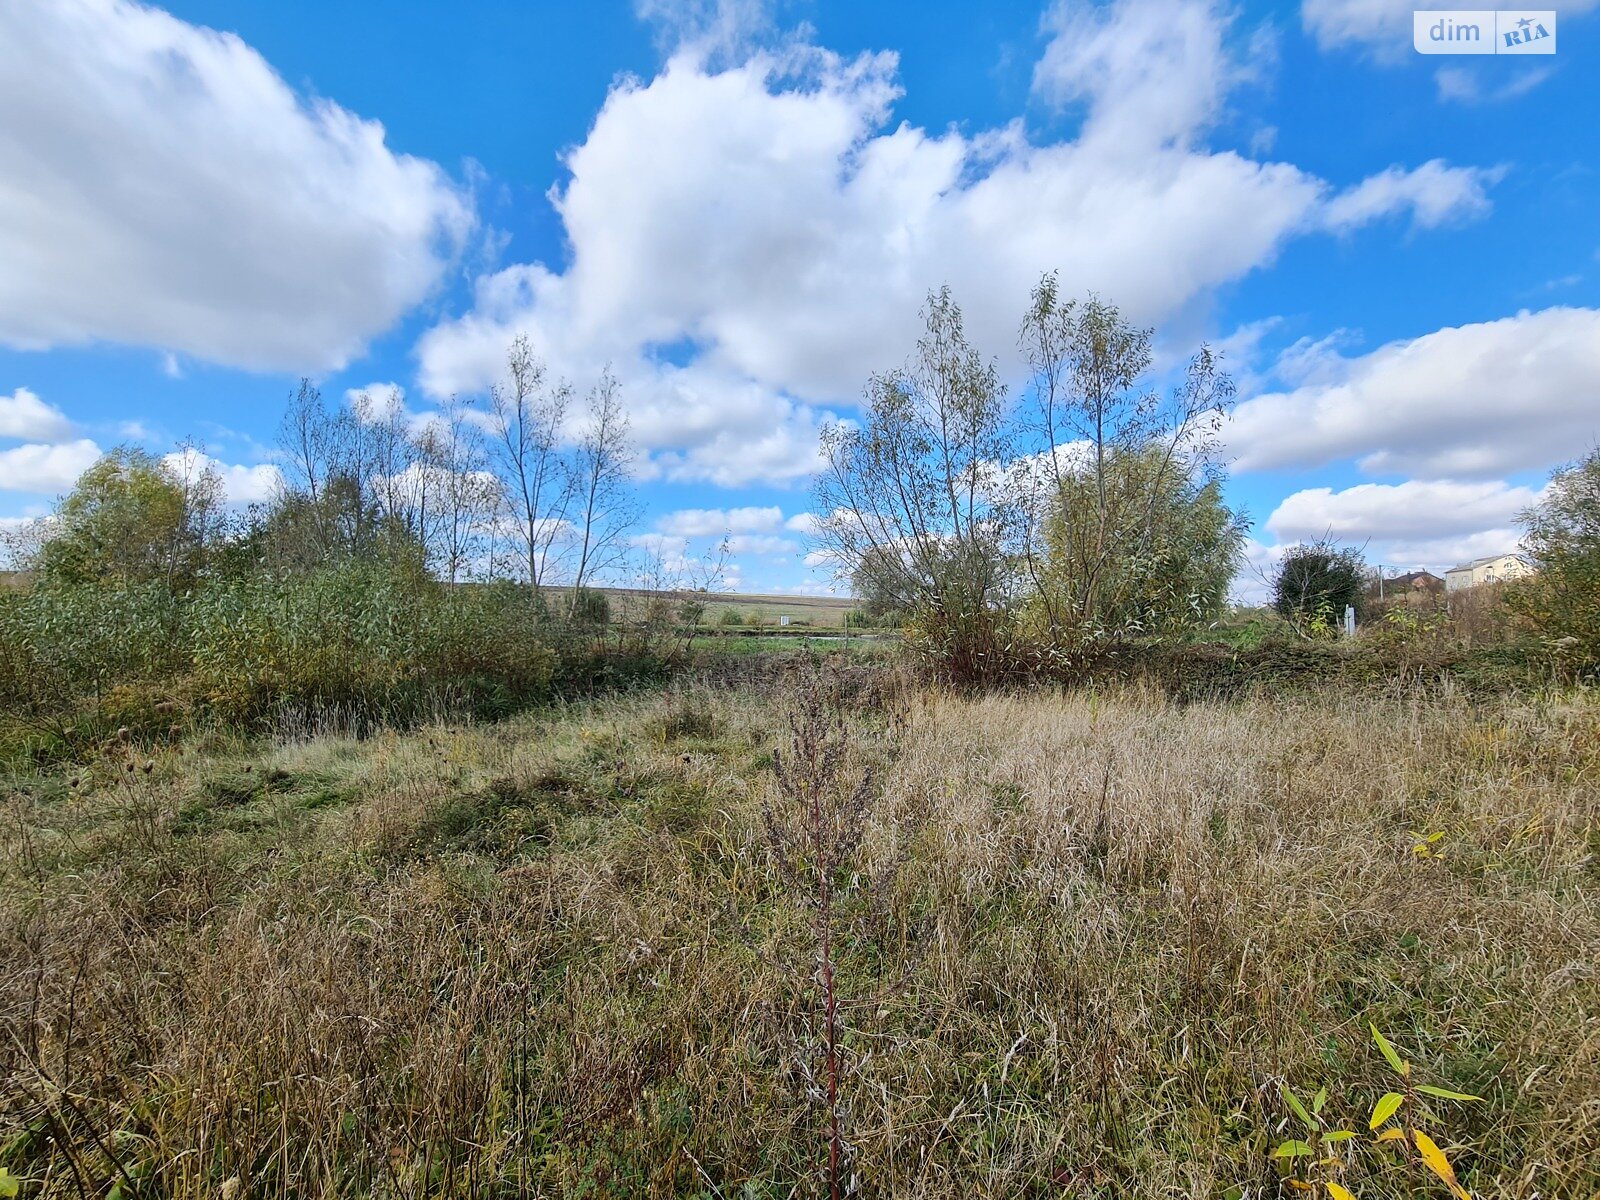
[558,956]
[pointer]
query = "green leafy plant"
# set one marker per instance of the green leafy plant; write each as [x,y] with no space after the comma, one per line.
[1311,1158]
[1427,845]
[1316,1148]
[1399,1107]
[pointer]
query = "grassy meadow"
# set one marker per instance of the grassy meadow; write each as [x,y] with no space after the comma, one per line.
[762,611]
[1081,944]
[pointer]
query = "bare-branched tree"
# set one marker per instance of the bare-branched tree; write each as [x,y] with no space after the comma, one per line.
[1105,503]
[912,492]
[603,504]
[466,493]
[526,419]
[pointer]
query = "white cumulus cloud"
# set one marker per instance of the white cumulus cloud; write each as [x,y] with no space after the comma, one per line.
[714,522]
[163,187]
[767,544]
[1405,513]
[24,416]
[1435,194]
[749,243]
[1466,402]
[37,467]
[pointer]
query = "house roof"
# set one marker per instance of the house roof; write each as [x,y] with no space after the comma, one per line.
[1478,562]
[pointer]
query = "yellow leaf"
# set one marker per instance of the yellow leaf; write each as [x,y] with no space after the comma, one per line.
[1401,1067]
[1391,1135]
[1434,1159]
[1339,1192]
[1388,1104]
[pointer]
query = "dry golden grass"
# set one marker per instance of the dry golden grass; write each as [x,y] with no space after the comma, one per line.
[555,957]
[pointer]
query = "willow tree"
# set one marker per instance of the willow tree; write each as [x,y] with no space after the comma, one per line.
[133,518]
[912,494]
[1175,547]
[1561,601]
[1122,529]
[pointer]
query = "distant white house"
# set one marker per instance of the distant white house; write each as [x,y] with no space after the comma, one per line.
[1495,569]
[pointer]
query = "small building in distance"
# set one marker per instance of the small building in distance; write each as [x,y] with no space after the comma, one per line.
[1414,586]
[1497,568]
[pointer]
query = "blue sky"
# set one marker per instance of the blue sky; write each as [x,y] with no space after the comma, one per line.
[738,207]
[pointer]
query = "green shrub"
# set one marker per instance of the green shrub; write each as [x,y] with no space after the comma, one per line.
[62,644]
[590,607]
[1561,602]
[485,646]
[1316,583]
[346,635]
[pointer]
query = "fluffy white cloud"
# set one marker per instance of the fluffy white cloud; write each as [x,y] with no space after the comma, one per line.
[714,522]
[161,185]
[1441,553]
[1435,193]
[1382,26]
[37,467]
[1471,401]
[709,29]
[1466,85]
[1402,513]
[779,238]
[770,545]
[749,244]
[23,415]
[1103,54]
[240,484]
[1430,524]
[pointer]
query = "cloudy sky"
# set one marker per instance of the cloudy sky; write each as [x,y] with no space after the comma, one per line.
[739,207]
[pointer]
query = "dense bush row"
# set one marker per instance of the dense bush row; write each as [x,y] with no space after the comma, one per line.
[356,642]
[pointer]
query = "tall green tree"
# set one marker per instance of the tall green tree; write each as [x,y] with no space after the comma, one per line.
[1175,545]
[1562,534]
[1122,531]
[133,518]
[911,493]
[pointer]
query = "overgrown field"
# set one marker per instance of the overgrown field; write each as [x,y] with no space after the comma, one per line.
[1082,946]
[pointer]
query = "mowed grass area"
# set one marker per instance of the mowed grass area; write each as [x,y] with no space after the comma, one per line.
[1085,944]
[870,644]
[825,612]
